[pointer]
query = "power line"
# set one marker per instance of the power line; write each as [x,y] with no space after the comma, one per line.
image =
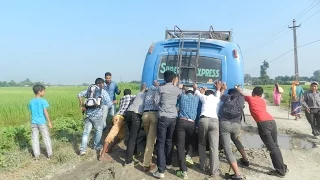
[268,42]
[306,10]
[285,54]
[310,17]
[261,44]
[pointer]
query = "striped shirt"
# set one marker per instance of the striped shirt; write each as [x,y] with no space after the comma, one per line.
[166,99]
[124,104]
[137,104]
[149,99]
[188,106]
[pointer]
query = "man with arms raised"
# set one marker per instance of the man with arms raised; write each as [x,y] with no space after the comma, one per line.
[267,128]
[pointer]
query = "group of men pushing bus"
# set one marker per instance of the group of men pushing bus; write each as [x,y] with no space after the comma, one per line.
[170,111]
[170,115]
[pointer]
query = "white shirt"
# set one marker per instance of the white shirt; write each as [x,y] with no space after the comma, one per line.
[210,104]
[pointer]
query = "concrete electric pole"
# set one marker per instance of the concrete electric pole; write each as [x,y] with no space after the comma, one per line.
[296,67]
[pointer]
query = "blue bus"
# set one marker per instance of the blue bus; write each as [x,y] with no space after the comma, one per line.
[201,57]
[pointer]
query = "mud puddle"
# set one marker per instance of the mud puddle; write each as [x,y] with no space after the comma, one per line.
[284,141]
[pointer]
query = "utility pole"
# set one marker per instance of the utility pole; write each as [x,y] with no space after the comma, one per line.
[296,67]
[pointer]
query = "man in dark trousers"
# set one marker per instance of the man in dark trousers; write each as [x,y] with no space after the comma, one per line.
[166,100]
[311,103]
[267,128]
[185,128]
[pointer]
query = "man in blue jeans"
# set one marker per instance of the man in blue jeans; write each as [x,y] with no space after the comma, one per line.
[166,100]
[112,89]
[93,117]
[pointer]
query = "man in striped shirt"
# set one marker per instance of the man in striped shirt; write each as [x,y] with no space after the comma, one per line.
[188,106]
[117,131]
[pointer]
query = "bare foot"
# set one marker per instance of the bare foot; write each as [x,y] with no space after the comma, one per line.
[105,157]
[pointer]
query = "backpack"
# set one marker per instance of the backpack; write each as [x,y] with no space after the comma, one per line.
[93,97]
[231,108]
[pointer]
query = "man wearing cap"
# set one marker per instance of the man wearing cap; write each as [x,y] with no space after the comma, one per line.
[188,106]
[311,103]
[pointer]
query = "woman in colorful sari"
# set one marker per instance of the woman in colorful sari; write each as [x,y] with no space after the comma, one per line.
[296,93]
[277,90]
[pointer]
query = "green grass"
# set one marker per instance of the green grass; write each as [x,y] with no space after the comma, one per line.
[63,102]
[15,131]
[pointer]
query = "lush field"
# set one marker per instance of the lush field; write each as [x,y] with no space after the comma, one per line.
[63,102]
[15,131]
[268,92]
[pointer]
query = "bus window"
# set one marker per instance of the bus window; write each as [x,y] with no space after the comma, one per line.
[209,68]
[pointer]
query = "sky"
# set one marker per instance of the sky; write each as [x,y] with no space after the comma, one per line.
[76,41]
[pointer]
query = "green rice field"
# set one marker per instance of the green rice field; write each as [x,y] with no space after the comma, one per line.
[63,102]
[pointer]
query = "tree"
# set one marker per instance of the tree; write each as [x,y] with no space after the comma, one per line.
[263,72]
[247,79]
[12,83]
[316,75]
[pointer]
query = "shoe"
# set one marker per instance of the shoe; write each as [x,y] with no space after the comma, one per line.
[82,153]
[36,158]
[232,177]
[50,156]
[244,162]
[275,173]
[189,161]
[129,164]
[316,137]
[168,166]
[158,174]
[182,174]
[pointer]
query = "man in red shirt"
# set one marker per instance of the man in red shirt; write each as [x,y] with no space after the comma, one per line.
[267,129]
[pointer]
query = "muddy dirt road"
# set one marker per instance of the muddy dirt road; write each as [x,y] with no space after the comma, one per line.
[299,150]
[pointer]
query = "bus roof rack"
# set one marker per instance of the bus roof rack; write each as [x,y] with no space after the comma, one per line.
[211,34]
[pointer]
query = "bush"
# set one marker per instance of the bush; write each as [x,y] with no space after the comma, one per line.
[65,129]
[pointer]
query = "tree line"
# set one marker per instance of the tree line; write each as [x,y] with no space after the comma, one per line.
[26,82]
[264,79]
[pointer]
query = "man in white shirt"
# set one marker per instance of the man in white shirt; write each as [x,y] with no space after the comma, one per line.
[209,126]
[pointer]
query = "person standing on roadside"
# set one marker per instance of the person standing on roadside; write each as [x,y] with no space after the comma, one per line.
[112,88]
[311,103]
[208,126]
[267,128]
[230,126]
[185,128]
[277,91]
[296,93]
[166,100]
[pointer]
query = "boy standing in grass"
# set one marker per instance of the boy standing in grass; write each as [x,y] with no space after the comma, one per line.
[39,115]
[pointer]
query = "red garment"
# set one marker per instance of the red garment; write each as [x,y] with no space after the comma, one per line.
[258,108]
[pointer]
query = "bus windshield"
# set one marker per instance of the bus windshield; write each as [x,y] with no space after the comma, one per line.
[209,68]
